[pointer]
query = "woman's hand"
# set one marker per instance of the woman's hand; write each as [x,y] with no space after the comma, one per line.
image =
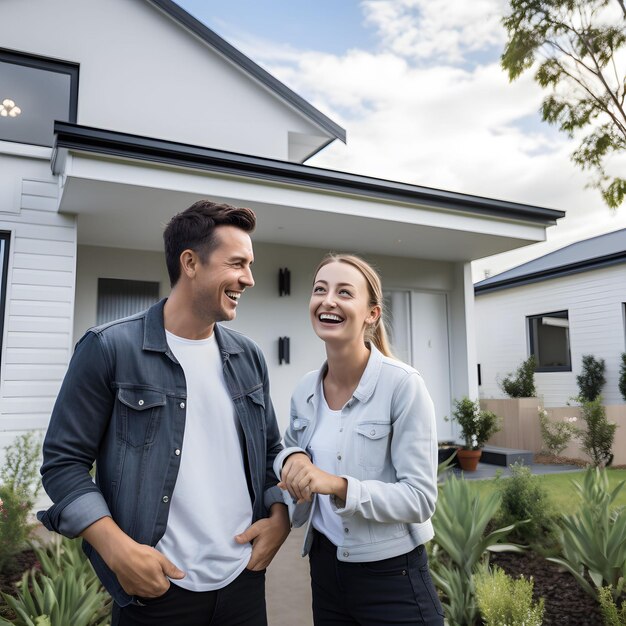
[302,479]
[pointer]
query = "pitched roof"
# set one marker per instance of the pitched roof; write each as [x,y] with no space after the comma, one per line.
[582,256]
[246,64]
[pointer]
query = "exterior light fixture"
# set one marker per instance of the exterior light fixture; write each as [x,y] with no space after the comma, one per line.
[284,282]
[283,350]
[8,108]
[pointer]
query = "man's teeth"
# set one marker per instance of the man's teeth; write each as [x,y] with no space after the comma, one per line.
[330,317]
[233,295]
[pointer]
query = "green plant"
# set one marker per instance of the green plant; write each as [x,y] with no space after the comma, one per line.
[461,542]
[476,425]
[591,379]
[612,616]
[65,591]
[20,471]
[522,383]
[503,601]
[557,435]
[622,376]
[593,540]
[15,526]
[525,500]
[597,438]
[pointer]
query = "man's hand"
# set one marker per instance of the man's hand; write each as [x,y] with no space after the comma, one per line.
[266,535]
[140,569]
[302,479]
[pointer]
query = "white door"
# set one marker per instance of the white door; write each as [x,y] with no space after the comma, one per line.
[419,334]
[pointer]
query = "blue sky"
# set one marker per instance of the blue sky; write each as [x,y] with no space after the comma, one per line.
[418,86]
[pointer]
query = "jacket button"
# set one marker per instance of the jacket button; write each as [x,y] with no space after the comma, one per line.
[182,405]
[140,403]
[346,530]
[346,554]
[339,457]
[166,499]
[177,452]
[372,432]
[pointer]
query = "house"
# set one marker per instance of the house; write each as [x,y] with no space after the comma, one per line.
[131,110]
[558,307]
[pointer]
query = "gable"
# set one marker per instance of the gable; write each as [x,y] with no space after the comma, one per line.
[145,73]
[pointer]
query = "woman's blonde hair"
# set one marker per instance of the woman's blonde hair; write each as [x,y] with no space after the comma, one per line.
[374,333]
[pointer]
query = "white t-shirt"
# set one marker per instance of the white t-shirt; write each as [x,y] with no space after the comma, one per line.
[211,502]
[324,445]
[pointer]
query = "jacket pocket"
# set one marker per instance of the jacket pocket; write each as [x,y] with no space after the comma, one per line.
[140,411]
[373,444]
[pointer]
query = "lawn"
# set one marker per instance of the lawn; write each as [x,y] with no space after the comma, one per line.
[560,489]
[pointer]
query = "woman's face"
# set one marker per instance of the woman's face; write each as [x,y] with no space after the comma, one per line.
[339,306]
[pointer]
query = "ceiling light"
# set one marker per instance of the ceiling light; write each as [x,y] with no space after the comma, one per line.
[8,108]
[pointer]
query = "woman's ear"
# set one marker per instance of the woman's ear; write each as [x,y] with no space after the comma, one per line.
[374,315]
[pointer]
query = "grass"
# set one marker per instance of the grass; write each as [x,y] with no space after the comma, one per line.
[560,489]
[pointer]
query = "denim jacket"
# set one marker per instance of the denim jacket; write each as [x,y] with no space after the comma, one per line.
[387,452]
[122,403]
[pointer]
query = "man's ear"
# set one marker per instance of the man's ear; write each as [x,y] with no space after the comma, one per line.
[188,263]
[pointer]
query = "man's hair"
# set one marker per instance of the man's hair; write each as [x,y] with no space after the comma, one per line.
[194,229]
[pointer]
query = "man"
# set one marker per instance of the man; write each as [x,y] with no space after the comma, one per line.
[175,410]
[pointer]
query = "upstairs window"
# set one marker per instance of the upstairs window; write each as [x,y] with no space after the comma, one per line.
[34,92]
[549,341]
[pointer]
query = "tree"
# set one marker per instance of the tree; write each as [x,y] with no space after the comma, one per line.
[579,45]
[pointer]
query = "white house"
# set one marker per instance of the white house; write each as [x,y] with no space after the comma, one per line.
[558,307]
[131,110]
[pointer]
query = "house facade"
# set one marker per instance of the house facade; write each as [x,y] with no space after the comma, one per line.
[559,307]
[140,110]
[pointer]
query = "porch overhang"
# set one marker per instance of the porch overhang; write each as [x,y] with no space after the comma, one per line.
[124,188]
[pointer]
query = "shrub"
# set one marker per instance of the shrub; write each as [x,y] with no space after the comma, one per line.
[556,435]
[503,601]
[522,384]
[612,616]
[622,376]
[525,500]
[593,541]
[476,425]
[597,438]
[591,379]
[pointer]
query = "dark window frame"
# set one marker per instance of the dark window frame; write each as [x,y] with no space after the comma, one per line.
[531,341]
[4,280]
[50,65]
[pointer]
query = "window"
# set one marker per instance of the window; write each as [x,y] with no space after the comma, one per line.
[549,341]
[4,272]
[34,92]
[120,298]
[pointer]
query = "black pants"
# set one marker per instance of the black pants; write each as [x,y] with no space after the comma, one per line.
[398,590]
[241,603]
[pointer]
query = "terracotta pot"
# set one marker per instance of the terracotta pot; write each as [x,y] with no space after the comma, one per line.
[468,459]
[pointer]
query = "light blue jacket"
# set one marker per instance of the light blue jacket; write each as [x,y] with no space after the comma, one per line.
[387,453]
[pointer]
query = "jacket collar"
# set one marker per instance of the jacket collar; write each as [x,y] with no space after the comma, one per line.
[154,338]
[366,385]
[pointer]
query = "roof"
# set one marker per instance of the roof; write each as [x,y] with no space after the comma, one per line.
[582,256]
[111,143]
[246,64]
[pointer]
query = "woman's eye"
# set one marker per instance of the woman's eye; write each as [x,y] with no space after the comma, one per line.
[345,292]
[318,289]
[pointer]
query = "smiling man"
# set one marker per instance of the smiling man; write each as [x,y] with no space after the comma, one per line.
[184,515]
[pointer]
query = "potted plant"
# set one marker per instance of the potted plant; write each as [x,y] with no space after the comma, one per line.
[476,428]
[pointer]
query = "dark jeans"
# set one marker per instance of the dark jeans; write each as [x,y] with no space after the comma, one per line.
[242,603]
[398,590]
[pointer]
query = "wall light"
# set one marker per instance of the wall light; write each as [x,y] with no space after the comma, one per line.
[284,282]
[283,350]
[8,108]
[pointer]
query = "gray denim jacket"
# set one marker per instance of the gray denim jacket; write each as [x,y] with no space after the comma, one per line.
[122,403]
[387,453]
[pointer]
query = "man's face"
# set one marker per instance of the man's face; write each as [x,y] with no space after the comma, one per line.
[219,283]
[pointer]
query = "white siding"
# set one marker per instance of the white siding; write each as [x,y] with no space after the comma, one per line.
[39,308]
[594,301]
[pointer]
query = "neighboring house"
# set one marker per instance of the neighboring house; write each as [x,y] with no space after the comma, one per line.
[152,111]
[558,307]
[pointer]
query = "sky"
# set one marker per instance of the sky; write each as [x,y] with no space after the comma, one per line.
[417,84]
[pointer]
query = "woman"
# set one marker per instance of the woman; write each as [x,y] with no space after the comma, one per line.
[367,484]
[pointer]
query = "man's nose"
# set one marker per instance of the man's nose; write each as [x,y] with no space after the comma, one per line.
[246,278]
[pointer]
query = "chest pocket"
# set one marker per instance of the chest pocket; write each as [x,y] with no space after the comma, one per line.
[140,412]
[373,440]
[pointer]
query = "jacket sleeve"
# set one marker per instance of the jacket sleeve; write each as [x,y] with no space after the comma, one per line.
[414,457]
[79,419]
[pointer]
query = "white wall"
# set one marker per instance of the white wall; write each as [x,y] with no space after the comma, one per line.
[142,73]
[594,300]
[262,314]
[40,295]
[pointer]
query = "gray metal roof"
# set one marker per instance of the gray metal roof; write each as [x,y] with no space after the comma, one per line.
[582,256]
[249,66]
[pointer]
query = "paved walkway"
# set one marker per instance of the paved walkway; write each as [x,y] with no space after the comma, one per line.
[485,470]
